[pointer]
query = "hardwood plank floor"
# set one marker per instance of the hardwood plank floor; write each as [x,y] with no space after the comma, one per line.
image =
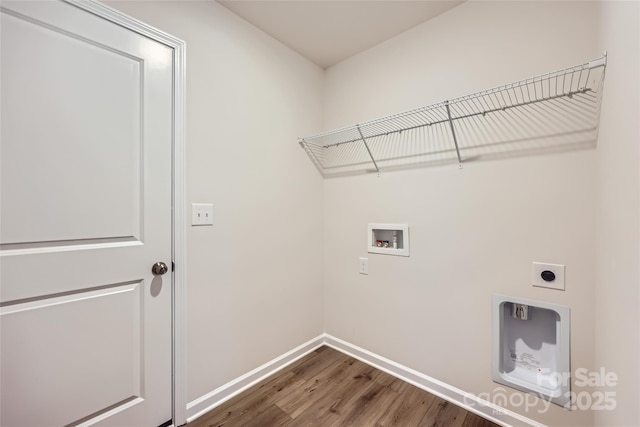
[330,389]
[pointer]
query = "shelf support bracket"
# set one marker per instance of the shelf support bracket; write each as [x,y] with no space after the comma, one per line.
[311,154]
[453,133]
[368,150]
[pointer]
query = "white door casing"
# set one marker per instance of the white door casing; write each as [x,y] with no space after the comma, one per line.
[91,164]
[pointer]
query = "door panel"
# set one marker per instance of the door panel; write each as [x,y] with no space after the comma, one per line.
[85,199]
[94,112]
[72,353]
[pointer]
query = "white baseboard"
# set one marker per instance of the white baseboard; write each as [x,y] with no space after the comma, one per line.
[445,391]
[214,398]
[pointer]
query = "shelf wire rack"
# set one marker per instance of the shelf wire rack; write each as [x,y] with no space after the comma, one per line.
[555,111]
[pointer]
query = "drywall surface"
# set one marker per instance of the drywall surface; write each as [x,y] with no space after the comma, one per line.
[617,326]
[475,231]
[254,277]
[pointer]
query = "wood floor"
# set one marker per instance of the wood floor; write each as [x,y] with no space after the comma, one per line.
[328,388]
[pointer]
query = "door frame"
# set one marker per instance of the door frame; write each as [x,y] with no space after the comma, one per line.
[178,193]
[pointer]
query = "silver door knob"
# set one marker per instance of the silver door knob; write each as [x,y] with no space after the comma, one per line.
[159,268]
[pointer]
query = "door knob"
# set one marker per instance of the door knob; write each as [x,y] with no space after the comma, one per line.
[159,268]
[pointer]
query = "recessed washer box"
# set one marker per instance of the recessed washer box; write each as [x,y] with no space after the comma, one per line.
[388,239]
[531,347]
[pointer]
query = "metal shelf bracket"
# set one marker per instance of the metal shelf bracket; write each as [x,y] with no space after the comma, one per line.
[368,149]
[453,134]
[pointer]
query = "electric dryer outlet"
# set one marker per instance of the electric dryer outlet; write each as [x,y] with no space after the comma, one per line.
[546,275]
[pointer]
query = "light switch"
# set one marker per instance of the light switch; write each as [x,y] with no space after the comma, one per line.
[201,214]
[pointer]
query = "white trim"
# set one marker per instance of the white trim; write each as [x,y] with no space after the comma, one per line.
[179,190]
[205,403]
[481,407]
[180,235]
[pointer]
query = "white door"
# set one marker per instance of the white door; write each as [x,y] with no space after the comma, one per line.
[86,139]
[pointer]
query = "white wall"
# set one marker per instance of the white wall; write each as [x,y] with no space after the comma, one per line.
[475,231]
[617,326]
[254,278]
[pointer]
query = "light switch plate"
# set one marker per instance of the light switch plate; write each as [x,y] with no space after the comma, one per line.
[557,269]
[201,214]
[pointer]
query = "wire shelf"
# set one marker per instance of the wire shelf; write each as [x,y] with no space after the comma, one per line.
[554,111]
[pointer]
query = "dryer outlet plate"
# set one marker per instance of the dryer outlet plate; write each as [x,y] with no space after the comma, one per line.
[557,269]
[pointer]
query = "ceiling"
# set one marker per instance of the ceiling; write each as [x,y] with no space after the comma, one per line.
[329,31]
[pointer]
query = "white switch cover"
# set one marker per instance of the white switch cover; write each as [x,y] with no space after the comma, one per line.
[556,269]
[364,266]
[201,214]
